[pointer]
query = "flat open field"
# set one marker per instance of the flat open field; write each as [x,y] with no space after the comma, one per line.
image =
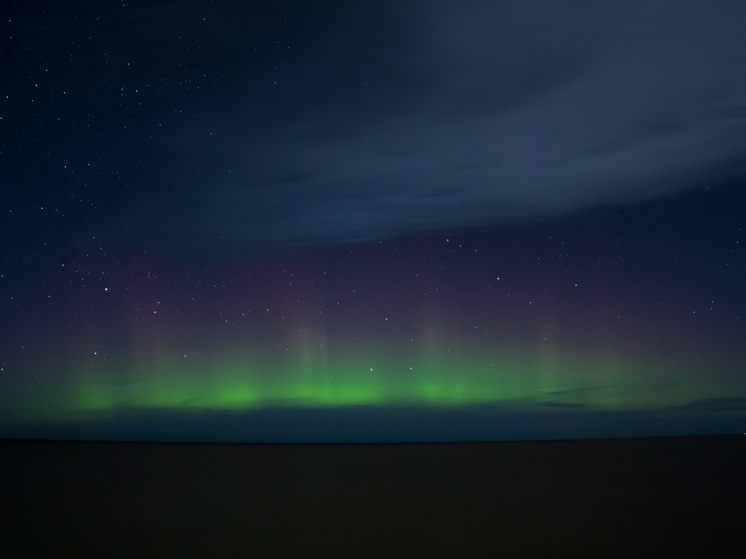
[667,497]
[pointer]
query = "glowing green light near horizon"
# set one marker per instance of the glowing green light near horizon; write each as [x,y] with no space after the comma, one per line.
[438,381]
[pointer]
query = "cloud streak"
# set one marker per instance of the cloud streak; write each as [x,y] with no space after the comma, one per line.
[474,114]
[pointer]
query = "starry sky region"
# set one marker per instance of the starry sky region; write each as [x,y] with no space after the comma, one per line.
[342,222]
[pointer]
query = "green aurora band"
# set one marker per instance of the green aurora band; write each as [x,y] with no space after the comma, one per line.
[321,380]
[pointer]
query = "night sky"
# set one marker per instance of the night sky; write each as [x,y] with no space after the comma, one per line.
[373,221]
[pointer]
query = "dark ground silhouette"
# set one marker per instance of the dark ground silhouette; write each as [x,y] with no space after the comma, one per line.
[667,497]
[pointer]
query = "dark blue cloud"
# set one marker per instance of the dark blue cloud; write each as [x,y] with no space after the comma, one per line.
[335,122]
[717,405]
[484,114]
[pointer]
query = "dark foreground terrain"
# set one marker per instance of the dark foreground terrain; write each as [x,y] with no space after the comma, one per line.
[672,497]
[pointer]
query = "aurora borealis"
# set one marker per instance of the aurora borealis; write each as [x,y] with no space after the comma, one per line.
[488,320]
[249,228]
